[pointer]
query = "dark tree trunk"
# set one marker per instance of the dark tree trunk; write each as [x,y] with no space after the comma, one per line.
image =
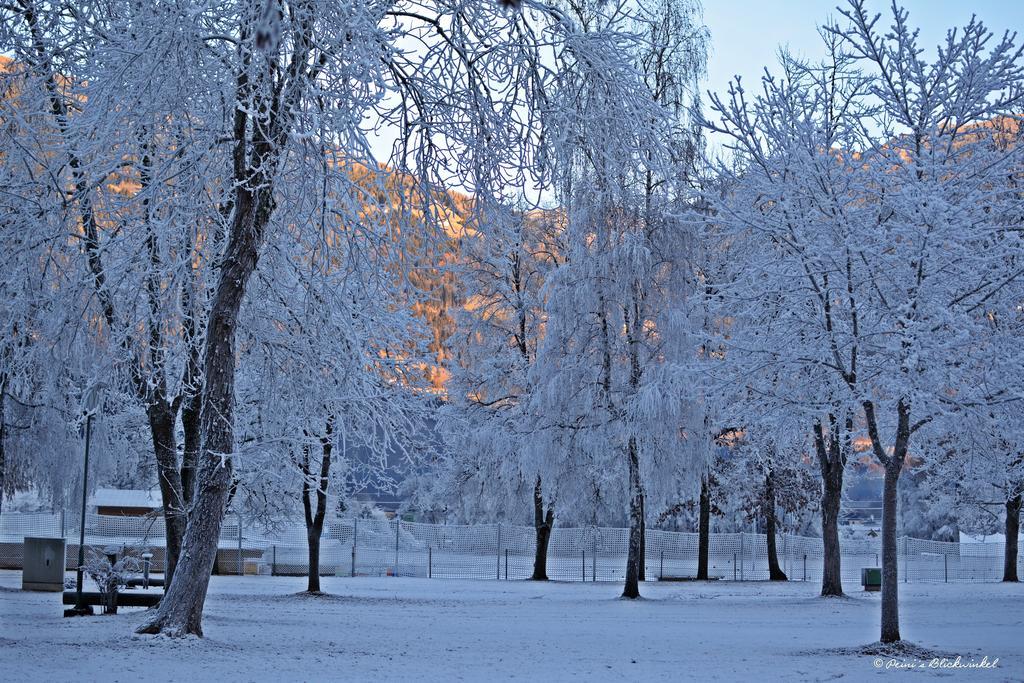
[542,524]
[633,559]
[270,106]
[315,519]
[893,463]
[192,398]
[832,567]
[152,389]
[1013,507]
[3,438]
[775,572]
[643,537]
[190,426]
[313,541]
[832,462]
[704,529]
[161,426]
[635,555]
[180,612]
[890,559]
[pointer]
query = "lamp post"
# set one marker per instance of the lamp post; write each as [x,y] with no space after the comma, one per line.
[91,403]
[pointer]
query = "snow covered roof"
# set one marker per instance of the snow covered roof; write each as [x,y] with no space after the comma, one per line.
[126,498]
[990,538]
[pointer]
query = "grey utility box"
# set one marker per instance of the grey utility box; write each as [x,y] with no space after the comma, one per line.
[43,566]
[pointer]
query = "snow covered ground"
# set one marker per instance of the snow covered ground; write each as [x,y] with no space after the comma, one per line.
[388,629]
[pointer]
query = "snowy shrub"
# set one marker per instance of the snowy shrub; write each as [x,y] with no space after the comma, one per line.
[111,577]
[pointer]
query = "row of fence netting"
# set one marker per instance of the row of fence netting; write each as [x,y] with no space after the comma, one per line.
[15,526]
[380,547]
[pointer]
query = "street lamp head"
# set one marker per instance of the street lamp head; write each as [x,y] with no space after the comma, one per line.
[92,398]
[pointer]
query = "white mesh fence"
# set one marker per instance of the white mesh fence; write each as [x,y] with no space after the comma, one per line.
[379,547]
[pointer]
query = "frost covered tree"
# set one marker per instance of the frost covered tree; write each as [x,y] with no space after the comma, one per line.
[781,140]
[616,351]
[978,454]
[765,475]
[510,439]
[116,159]
[333,358]
[1003,476]
[877,232]
[495,454]
[937,181]
[981,465]
[455,98]
[927,504]
[286,60]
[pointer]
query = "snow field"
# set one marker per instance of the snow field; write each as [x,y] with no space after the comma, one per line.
[407,629]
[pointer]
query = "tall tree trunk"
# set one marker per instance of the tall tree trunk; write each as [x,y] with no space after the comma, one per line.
[831,461]
[153,389]
[191,429]
[635,556]
[643,537]
[161,426]
[315,519]
[775,572]
[633,559]
[180,612]
[890,560]
[1013,507]
[313,542]
[3,438]
[893,463]
[832,567]
[704,529]
[542,524]
[258,149]
[191,394]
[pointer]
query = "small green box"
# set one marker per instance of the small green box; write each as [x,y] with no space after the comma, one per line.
[871,578]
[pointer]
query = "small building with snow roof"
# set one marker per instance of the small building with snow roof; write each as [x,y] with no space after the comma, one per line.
[125,502]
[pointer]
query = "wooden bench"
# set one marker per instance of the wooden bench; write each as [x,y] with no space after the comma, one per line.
[130,599]
[142,583]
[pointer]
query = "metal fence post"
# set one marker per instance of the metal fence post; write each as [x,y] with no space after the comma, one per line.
[273,562]
[945,567]
[430,562]
[584,566]
[805,566]
[661,573]
[355,536]
[593,555]
[506,564]
[742,553]
[785,553]
[499,551]
[734,566]
[240,567]
[398,527]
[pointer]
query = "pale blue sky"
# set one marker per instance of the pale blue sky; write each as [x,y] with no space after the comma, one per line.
[746,34]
